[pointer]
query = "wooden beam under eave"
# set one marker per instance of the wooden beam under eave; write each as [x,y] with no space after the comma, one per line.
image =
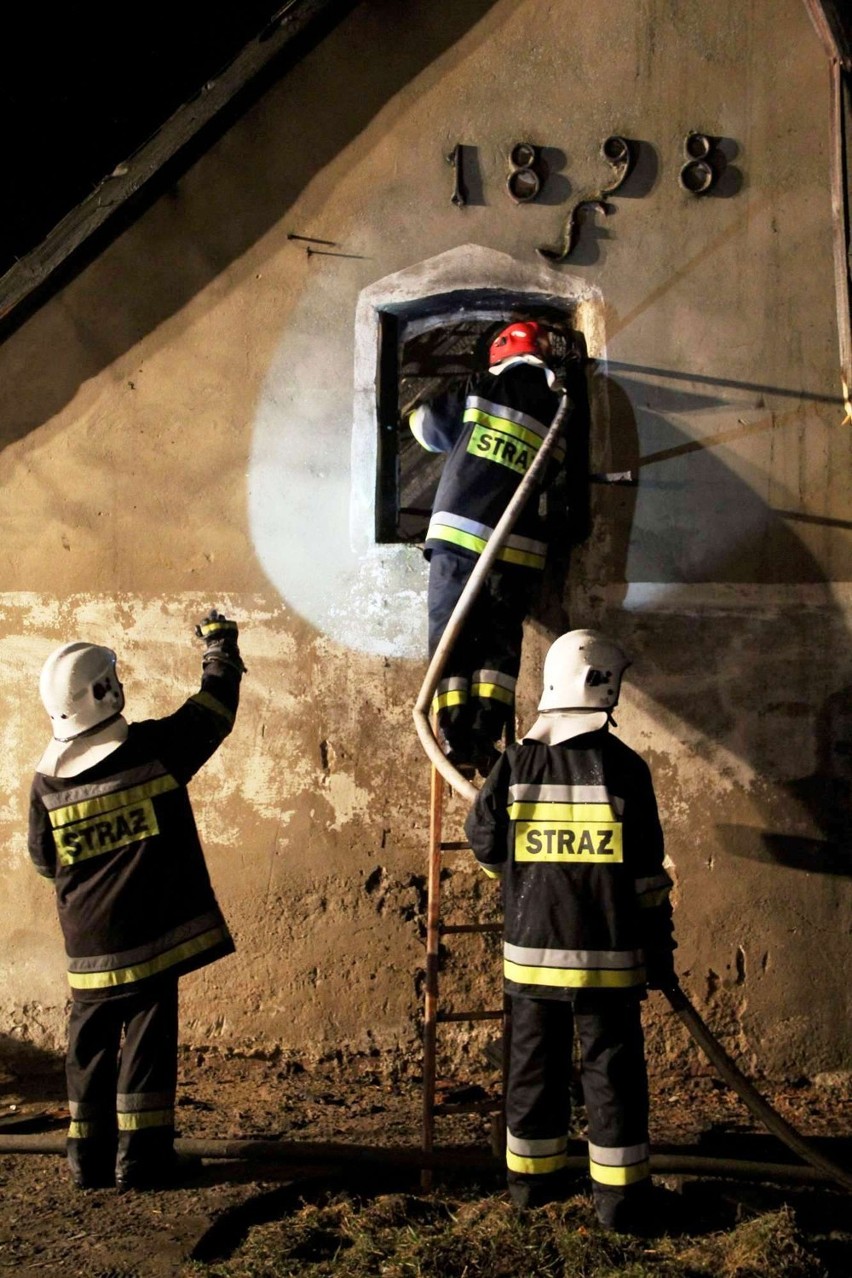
[33,271]
[833,23]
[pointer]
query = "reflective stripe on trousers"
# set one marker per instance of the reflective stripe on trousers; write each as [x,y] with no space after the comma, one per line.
[121,1071]
[450,692]
[493,685]
[615,1089]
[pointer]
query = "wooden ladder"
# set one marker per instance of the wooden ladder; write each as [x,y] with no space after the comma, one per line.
[432,1015]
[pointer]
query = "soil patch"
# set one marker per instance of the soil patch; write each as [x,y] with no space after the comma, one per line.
[238,1219]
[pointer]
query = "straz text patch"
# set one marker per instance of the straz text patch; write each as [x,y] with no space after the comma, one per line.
[106,832]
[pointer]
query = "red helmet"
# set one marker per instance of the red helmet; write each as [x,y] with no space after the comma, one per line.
[521,338]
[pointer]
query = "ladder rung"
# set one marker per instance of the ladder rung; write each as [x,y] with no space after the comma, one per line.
[469,1016]
[454,846]
[455,928]
[489,1106]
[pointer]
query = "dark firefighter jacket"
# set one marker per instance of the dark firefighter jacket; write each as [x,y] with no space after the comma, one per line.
[119,839]
[492,428]
[573,831]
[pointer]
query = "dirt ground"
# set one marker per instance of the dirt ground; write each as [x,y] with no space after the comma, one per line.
[49,1228]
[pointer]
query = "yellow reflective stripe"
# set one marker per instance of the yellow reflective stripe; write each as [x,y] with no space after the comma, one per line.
[446,521]
[86,1131]
[415,424]
[468,541]
[209,628]
[573,977]
[207,702]
[109,802]
[136,1121]
[454,697]
[516,1163]
[493,691]
[619,1175]
[520,811]
[139,971]
[445,532]
[504,425]
[491,871]
[512,556]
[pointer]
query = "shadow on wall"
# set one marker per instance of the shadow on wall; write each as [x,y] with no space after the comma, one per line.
[769,682]
[690,520]
[29,1072]
[349,83]
[826,793]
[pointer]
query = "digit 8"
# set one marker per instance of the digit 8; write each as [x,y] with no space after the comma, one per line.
[523,182]
[699,174]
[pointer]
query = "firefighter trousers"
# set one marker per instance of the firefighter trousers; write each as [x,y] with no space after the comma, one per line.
[121,1072]
[615,1091]
[477,689]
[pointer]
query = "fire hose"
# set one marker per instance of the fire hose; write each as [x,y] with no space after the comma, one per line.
[465,603]
[757,1105]
[365,1158]
[820,1167]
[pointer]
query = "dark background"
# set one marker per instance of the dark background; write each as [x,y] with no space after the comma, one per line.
[84,85]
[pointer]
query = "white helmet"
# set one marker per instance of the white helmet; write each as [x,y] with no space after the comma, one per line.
[80,689]
[582,671]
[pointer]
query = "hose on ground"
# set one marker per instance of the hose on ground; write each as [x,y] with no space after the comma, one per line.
[757,1105]
[459,1158]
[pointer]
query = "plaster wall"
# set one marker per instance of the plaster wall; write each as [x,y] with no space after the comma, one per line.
[188,423]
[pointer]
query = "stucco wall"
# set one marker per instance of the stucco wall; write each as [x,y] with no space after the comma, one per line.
[184,425]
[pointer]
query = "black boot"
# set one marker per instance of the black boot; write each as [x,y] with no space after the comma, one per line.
[168,1174]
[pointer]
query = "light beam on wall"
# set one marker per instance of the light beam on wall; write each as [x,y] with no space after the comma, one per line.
[312,475]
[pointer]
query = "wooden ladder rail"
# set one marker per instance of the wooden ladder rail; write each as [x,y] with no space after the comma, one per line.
[432,1016]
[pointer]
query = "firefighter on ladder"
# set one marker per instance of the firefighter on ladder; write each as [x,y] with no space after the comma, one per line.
[111,823]
[491,428]
[568,819]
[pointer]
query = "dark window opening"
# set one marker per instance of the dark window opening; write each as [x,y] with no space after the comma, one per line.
[424,348]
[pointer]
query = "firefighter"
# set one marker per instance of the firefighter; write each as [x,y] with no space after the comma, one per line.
[568,819]
[111,823]
[491,428]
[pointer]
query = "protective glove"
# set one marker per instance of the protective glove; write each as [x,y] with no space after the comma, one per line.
[659,970]
[220,641]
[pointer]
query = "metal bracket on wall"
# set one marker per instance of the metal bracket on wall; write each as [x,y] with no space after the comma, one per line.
[620,155]
[624,477]
[456,159]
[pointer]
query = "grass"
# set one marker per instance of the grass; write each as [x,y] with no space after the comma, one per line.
[473,1236]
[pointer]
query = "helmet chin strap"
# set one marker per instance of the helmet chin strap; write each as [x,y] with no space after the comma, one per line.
[579,710]
[90,732]
[553,727]
[535,360]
